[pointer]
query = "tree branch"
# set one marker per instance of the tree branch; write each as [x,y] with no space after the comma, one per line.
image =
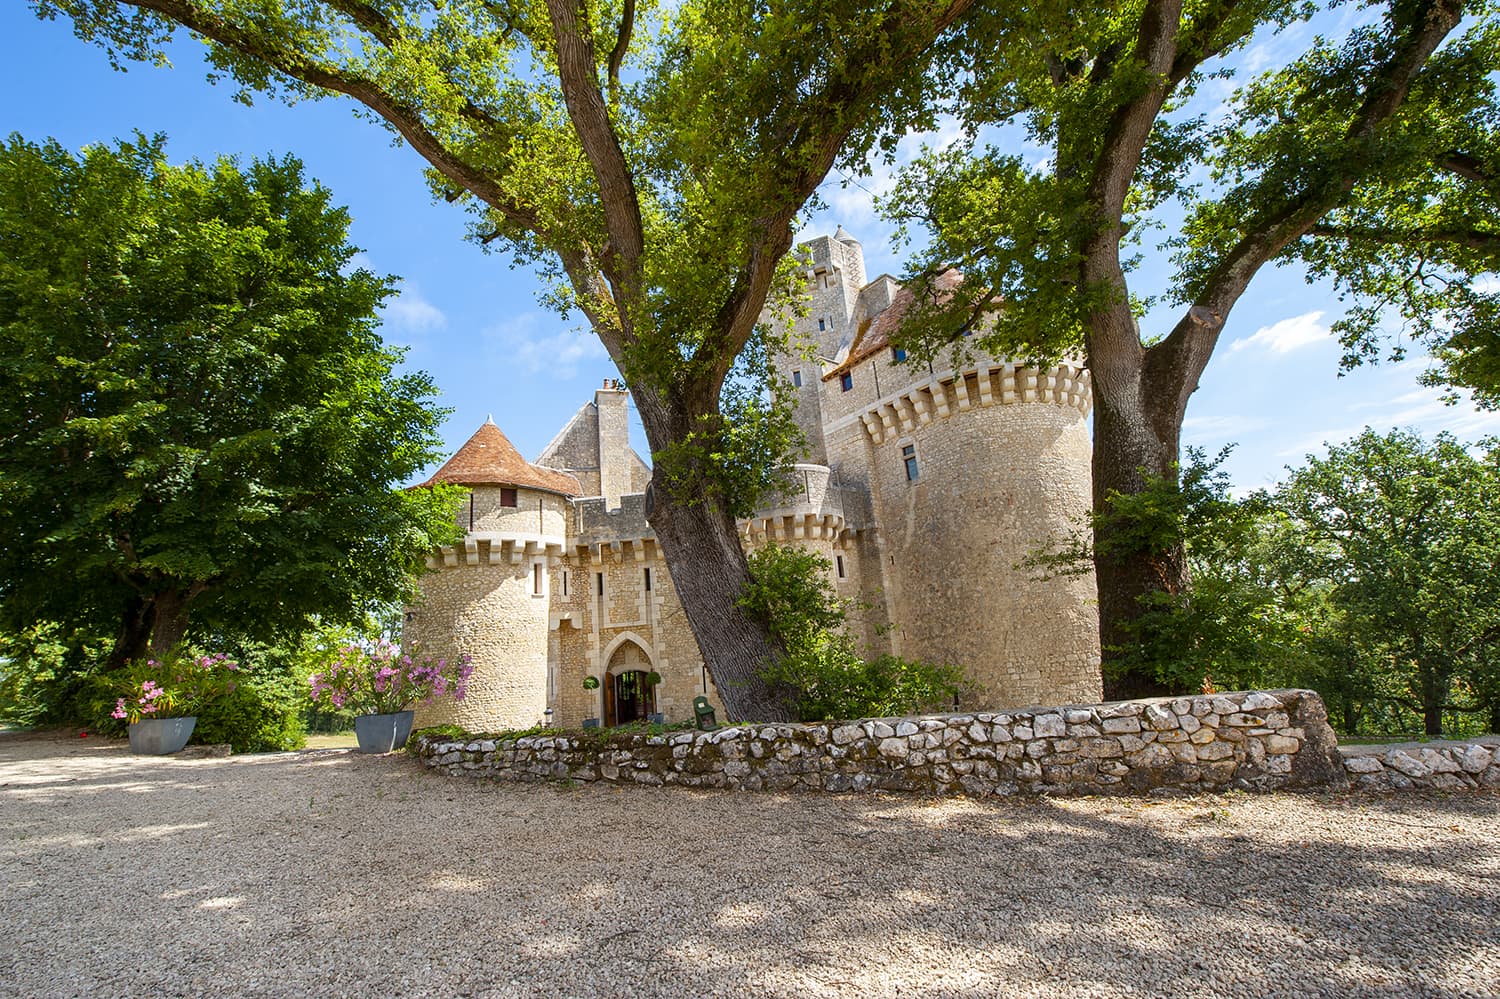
[1467,167]
[1174,364]
[622,45]
[577,71]
[819,123]
[405,120]
[1470,238]
[370,19]
[1198,43]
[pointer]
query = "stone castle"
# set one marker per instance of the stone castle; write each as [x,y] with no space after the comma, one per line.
[925,487]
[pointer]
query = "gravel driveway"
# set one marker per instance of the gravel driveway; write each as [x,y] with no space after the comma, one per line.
[328,873]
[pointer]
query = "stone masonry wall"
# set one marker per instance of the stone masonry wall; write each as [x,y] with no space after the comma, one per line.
[1255,739]
[1445,766]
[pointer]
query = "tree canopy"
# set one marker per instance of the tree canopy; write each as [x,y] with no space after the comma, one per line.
[1368,159]
[1405,536]
[649,159]
[199,423]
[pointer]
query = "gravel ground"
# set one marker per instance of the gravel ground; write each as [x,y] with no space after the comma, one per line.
[328,873]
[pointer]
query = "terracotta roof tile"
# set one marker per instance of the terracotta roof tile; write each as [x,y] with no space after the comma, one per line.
[490,459]
[875,334]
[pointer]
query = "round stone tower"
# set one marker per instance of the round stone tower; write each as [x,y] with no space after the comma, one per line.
[969,469]
[489,595]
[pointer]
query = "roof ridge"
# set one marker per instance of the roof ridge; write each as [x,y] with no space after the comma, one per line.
[488,458]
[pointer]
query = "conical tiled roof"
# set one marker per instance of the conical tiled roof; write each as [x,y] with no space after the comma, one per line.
[490,459]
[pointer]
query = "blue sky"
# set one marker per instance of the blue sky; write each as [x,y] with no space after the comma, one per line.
[474,324]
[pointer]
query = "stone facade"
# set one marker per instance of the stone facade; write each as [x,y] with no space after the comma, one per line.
[1252,739]
[927,487]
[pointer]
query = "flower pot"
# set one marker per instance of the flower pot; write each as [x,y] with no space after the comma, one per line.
[160,736]
[382,733]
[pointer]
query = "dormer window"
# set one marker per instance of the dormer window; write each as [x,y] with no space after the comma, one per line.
[508,497]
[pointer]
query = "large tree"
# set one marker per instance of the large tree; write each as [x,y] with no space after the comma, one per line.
[1405,536]
[650,159]
[1384,141]
[199,424]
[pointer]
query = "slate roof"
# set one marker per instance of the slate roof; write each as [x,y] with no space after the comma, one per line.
[490,459]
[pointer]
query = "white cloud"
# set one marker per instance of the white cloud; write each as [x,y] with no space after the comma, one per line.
[1201,429]
[1425,410]
[520,343]
[409,312]
[1420,409]
[1287,335]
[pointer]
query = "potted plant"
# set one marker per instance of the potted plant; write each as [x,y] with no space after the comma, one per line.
[591,684]
[159,698]
[656,717]
[380,685]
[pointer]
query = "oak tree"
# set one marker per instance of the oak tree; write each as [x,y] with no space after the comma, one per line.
[649,159]
[1405,537]
[1360,157]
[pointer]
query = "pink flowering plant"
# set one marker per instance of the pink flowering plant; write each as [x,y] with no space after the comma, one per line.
[380,680]
[173,686]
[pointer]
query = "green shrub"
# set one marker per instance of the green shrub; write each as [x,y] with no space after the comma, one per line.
[46,677]
[253,718]
[265,711]
[820,672]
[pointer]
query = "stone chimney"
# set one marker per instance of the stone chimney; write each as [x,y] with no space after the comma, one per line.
[614,441]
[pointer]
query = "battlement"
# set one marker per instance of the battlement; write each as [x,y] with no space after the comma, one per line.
[943,395]
[497,548]
[813,508]
[598,524]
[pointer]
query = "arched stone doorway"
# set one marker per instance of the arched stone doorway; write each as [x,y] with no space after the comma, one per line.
[628,697]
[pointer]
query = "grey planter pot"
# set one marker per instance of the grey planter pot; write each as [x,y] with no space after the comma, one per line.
[160,736]
[382,733]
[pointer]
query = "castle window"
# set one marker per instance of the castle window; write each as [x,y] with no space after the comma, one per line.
[797,379]
[599,579]
[565,582]
[898,354]
[508,497]
[538,583]
[838,564]
[846,380]
[822,323]
[909,457]
[648,579]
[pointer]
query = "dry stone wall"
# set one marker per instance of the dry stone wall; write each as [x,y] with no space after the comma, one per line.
[1253,739]
[1449,766]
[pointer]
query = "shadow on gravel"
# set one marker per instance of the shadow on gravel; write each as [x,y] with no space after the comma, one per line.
[332,872]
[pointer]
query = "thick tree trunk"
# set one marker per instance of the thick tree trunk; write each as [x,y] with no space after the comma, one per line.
[169,620]
[1126,450]
[134,636]
[151,626]
[701,544]
[702,548]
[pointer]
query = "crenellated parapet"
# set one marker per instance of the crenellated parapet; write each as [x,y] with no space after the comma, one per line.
[596,523]
[498,548]
[981,385]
